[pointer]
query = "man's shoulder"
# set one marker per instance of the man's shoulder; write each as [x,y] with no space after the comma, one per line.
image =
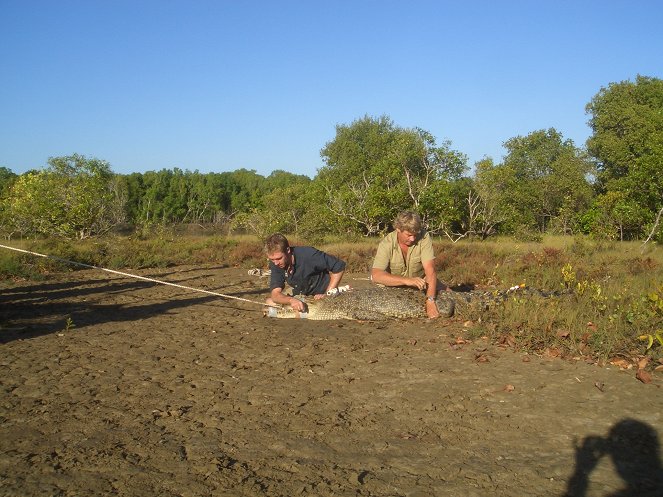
[306,253]
[424,240]
[276,271]
[425,246]
[304,250]
[389,238]
[385,248]
[277,276]
[425,236]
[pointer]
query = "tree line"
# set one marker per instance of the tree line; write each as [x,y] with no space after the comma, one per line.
[611,188]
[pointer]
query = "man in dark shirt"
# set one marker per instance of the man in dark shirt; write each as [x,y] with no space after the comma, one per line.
[307,270]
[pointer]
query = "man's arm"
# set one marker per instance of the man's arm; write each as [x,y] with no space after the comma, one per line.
[385,278]
[333,265]
[431,288]
[335,279]
[431,278]
[277,284]
[279,298]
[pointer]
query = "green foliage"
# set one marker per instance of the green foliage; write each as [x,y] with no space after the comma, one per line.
[374,169]
[72,198]
[627,123]
[18,267]
[362,171]
[542,183]
[69,325]
[7,178]
[176,196]
[292,207]
[248,188]
[616,215]
[652,308]
[279,180]
[657,336]
[488,203]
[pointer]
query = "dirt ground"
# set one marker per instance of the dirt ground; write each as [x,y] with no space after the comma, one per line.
[115,386]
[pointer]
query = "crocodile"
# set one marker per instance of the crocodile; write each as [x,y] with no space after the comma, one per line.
[383,303]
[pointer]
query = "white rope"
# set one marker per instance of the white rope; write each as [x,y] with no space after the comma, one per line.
[139,277]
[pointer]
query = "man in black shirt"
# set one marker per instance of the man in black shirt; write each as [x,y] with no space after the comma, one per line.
[307,270]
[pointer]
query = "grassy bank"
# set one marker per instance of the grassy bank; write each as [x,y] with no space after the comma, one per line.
[613,311]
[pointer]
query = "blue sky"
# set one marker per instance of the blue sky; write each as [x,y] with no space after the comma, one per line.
[223,85]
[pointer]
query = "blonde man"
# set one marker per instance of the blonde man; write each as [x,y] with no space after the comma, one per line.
[405,258]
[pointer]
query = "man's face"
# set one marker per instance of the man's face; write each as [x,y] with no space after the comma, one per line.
[406,238]
[280,259]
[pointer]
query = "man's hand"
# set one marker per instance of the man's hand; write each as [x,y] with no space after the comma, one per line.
[418,283]
[318,296]
[297,305]
[382,277]
[431,309]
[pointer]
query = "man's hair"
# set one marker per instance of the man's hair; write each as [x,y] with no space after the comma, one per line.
[276,243]
[408,221]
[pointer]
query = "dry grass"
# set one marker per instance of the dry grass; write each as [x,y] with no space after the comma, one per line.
[615,288]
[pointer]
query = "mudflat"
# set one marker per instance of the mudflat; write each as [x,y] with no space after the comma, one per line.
[116,386]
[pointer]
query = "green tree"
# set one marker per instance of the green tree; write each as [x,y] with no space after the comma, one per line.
[135,188]
[294,204]
[151,206]
[7,178]
[616,216]
[74,197]
[201,201]
[627,141]
[177,196]
[219,187]
[246,190]
[373,169]
[279,180]
[489,202]
[435,182]
[544,175]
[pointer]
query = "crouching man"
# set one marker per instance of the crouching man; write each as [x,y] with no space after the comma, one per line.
[405,258]
[307,270]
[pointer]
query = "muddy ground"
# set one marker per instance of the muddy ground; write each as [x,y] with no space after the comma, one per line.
[115,386]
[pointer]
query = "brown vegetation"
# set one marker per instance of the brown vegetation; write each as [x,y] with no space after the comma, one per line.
[612,307]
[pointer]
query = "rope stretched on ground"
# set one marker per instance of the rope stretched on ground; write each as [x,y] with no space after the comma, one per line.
[138,277]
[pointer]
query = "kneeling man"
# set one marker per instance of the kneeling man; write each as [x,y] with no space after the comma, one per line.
[405,258]
[307,270]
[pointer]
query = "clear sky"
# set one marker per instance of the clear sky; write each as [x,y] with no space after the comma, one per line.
[219,85]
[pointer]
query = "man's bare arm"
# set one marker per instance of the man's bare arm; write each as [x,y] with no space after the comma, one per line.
[334,280]
[431,278]
[431,289]
[385,278]
[279,298]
